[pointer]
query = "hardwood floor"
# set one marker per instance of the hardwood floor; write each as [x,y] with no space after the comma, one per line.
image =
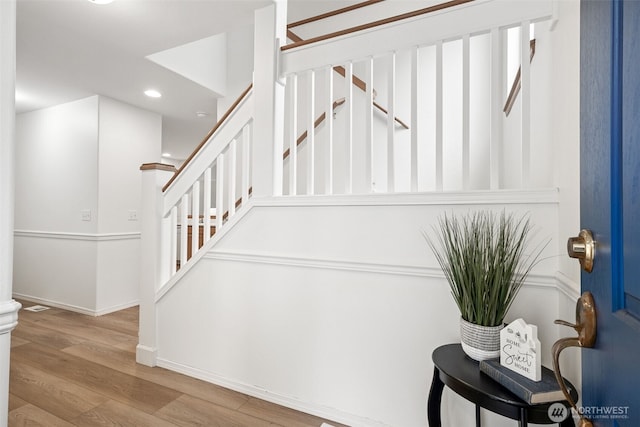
[68,369]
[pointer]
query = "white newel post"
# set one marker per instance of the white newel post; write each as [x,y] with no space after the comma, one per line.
[8,307]
[268,92]
[152,269]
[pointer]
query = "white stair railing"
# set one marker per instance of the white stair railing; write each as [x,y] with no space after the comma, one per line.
[445,73]
[204,194]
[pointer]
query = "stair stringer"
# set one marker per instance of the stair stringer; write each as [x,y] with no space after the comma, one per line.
[229,224]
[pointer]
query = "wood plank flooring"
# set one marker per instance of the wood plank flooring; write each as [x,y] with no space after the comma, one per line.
[68,369]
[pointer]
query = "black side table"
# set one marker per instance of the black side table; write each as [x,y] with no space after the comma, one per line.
[461,374]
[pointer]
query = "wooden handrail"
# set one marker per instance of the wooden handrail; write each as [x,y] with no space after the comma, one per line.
[157,166]
[517,81]
[293,36]
[358,82]
[316,123]
[384,110]
[206,138]
[333,13]
[378,23]
[225,215]
[322,118]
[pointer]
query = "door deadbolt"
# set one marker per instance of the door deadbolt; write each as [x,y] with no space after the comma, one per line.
[583,248]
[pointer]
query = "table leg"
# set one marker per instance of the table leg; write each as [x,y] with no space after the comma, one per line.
[524,418]
[435,397]
[478,416]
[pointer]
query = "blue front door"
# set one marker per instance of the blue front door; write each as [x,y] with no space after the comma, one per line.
[610,206]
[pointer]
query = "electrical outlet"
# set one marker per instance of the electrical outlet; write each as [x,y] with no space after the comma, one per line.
[133,215]
[85,214]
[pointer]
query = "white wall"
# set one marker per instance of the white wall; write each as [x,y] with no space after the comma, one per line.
[128,137]
[10,308]
[57,179]
[57,168]
[200,61]
[334,306]
[239,73]
[565,137]
[565,120]
[73,161]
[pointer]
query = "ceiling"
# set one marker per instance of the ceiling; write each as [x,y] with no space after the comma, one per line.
[72,49]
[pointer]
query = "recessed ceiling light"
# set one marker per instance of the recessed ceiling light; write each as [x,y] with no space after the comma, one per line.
[166,154]
[201,114]
[152,93]
[101,1]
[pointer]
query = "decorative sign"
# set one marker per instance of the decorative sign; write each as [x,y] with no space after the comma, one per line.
[520,349]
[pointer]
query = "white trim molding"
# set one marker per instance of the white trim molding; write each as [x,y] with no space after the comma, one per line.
[9,315]
[479,197]
[533,280]
[567,286]
[330,264]
[89,237]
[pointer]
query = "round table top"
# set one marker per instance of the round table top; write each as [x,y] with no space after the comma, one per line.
[463,373]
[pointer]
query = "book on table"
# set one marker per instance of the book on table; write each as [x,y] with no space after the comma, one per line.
[544,391]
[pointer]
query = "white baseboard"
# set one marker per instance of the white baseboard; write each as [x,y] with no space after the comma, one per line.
[286,401]
[147,356]
[75,308]
[118,307]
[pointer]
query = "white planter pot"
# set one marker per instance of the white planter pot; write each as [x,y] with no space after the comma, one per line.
[480,342]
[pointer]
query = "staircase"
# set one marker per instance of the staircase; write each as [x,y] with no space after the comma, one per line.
[316,286]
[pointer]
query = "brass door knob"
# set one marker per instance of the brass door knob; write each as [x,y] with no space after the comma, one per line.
[583,248]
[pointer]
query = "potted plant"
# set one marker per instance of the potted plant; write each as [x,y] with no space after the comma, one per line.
[482,255]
